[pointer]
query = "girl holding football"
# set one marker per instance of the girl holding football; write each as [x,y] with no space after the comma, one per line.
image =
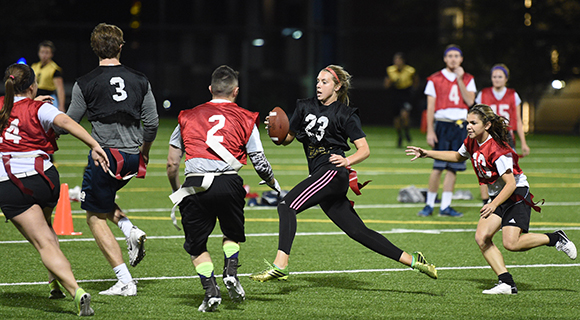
[323,125]
[507,103]
[29,183]
[496,165]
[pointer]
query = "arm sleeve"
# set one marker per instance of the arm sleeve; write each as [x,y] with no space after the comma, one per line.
[353,128]
[78,105]
[149,116]
[430,89]
[478,98]
[504,163]
[471,86]
[261,165]
[175,139]
[463,152]
[46,114]
[76,109]
[254,144]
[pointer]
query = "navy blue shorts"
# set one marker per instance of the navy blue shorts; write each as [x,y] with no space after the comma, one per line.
[450,137]
[14,202]
[99,187]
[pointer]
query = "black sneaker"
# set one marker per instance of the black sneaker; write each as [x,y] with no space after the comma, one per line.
[231,281]
[213,297]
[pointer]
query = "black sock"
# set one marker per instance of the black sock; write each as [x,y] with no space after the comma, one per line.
[506,278]
[554,237]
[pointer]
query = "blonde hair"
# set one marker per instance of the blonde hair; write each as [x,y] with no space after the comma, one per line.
[342,77]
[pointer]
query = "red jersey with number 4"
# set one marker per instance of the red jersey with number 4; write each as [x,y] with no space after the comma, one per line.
[448,94]
[483,158]
[24,131]
[506,107]
[229,123]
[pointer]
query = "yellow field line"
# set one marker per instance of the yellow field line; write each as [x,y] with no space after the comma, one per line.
[416,222]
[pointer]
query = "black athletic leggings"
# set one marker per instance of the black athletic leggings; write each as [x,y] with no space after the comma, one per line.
[327,187]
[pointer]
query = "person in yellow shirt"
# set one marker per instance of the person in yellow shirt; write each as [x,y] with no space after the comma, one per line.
[401,79]
[49,75]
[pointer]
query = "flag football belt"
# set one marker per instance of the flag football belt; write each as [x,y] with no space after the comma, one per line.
[140,174]
[183,192]
[353,183]
[517,198]
[38,169]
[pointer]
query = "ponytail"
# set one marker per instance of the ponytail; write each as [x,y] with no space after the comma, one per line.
[342,77]
[499,125]
[17,79]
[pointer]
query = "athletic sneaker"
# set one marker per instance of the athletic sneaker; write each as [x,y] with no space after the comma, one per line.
[564,244]
[121,289]
[450,212]
[213,297]
[421,265]
[426,211]
[271,273]
[231,281]
[56,290]
[83,303]
[136,245]
[501,288]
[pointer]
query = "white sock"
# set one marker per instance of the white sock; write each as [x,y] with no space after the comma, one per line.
[446,199]
[431,196]
[125,225]
[122,273]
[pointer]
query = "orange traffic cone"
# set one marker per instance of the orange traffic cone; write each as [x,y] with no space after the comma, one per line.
[63,224]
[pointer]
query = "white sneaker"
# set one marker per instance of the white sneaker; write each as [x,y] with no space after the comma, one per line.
[235,290]
[564,244]
[501,288]
[136,246]
[121,289]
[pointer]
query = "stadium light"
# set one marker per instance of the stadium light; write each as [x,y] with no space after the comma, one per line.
[558,84]
[258,42]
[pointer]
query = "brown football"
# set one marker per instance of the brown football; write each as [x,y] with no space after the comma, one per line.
[279,125]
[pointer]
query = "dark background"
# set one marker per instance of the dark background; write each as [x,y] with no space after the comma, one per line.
[178,43]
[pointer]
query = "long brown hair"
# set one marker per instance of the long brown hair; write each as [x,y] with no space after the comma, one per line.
[499,124]
[342,77]
[17,79]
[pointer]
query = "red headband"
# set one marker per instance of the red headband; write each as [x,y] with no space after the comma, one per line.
[333,73]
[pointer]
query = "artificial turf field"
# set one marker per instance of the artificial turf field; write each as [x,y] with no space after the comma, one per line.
[332,276]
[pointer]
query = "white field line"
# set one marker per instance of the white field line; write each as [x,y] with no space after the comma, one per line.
[312,272]
[300,234]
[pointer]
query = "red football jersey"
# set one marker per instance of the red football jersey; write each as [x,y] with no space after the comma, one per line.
[483,159]
[221,120]
[448,94]
[24,131]
[506,107]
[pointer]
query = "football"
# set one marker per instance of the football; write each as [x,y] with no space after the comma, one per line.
[278,125]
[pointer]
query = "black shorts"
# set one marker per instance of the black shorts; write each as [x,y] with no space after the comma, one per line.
[100,188]
[450,137]
[14,202]
[516,214]
[224,200]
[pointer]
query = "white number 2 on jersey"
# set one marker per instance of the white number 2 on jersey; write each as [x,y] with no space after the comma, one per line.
[119,85]
[221,123]
[454,95]
[312,121]
[12,132]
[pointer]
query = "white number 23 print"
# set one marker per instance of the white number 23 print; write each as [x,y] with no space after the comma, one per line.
[312,121]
